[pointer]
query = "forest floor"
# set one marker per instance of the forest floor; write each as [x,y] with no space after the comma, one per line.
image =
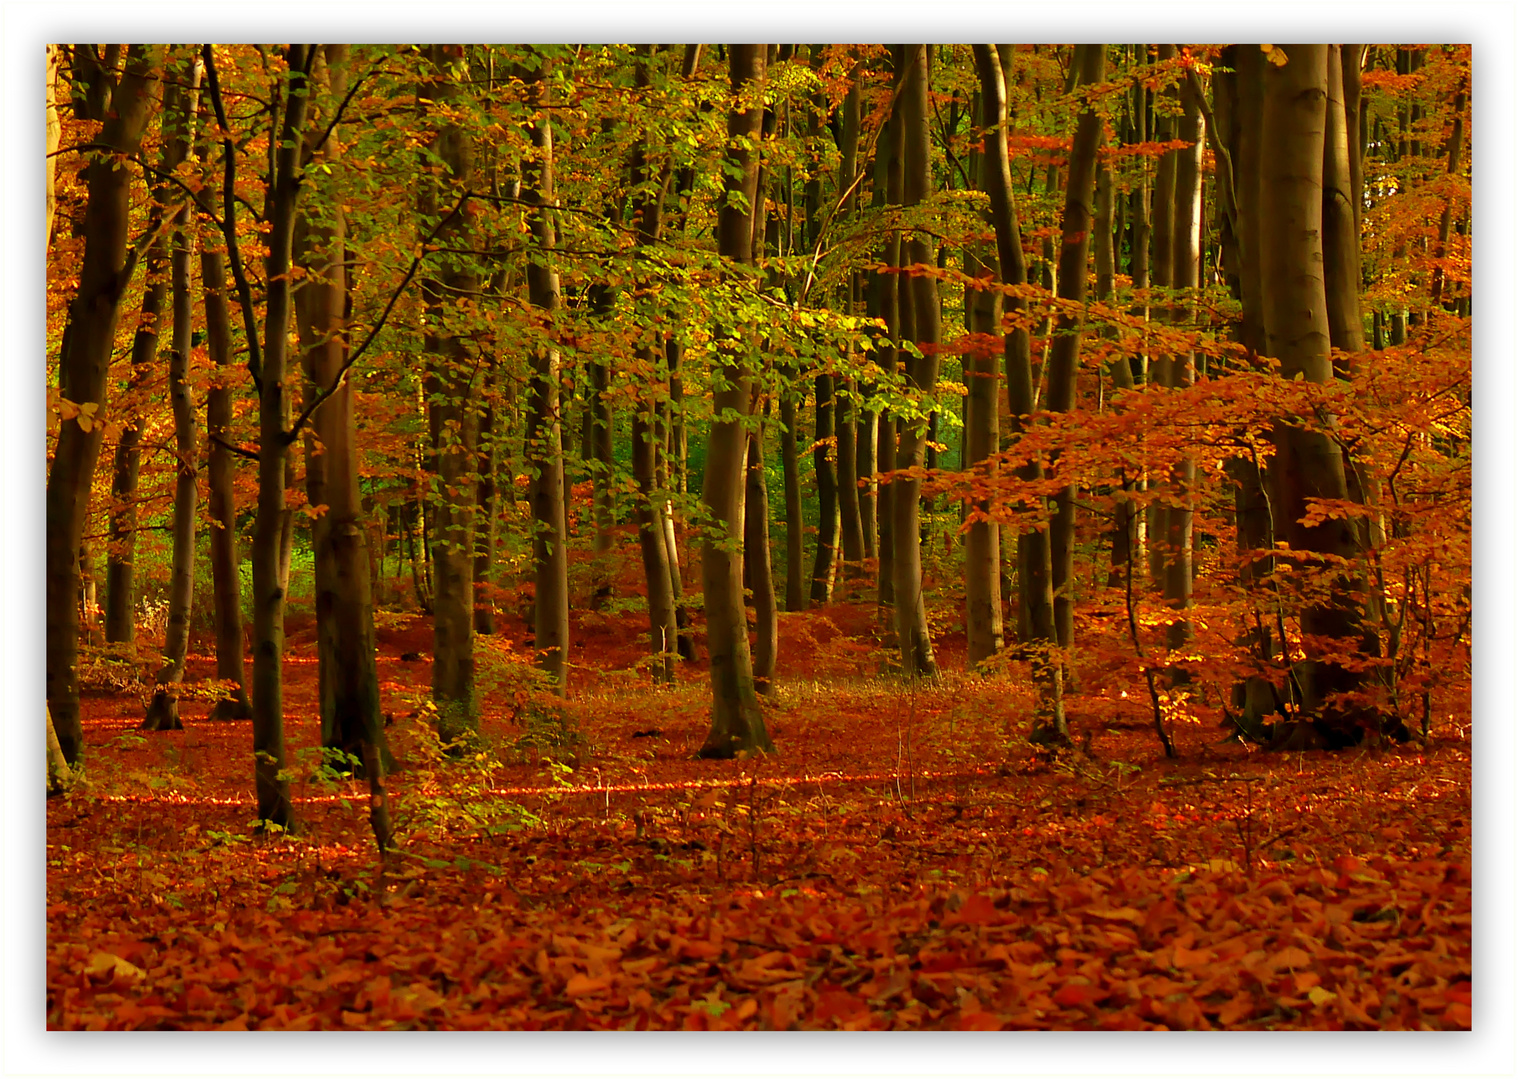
[905,862]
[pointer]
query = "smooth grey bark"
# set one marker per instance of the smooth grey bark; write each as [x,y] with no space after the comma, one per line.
[1308,464]
[84,365]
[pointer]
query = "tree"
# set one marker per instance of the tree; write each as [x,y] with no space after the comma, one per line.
[1089,66]
[551,536]
[1308,465]
[452,421]
[349,685]
[737,722]
[1032,547]
[921,299]
[163,712]
[83,366]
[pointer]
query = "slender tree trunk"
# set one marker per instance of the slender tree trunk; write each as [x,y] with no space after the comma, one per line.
[825,565]
[226,577]
[599,420]
[121,547]
[651,540]
[351,722]
[737,722]
[487,454]
[163,711]
[1162,262]
[756,559]
[1033,552]
[846,414]
[671,471]
[888,179]
[983,310]
[1089,64]
[795,532]
[922,373]
[651,426]
[1180,370]
[270,562]
[83,368]
[453,422]
[550,546]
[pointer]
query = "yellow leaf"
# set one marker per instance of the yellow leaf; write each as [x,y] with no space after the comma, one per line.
[1319,996]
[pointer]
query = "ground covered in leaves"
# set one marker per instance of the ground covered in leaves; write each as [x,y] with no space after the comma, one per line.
[904,862]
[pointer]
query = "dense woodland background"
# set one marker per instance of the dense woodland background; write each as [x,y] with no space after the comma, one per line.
[1081,385]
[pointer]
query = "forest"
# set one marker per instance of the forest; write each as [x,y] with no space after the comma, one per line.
[759,537]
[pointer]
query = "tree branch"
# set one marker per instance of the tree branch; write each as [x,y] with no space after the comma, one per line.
[342,372]
[229,223]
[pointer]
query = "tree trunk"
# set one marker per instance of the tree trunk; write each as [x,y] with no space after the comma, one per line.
[651,541]
[350,719]
[453,422]
[226,577]
[1162,262]
[737,722]
[1180,370]
[270,562]
[487,455]
[1033,552]
[163,712]
[921,298]
[984,636]
[1089,65]
[1297,332]
[598,411]
[550,547]
[795,532]
[652,431]
[825,565]
[121,547]
[846,412]
[888,180]
[83,369]
[59,776]
[756,559]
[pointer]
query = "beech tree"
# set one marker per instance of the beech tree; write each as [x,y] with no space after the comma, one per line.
[83,368]
[737,722]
